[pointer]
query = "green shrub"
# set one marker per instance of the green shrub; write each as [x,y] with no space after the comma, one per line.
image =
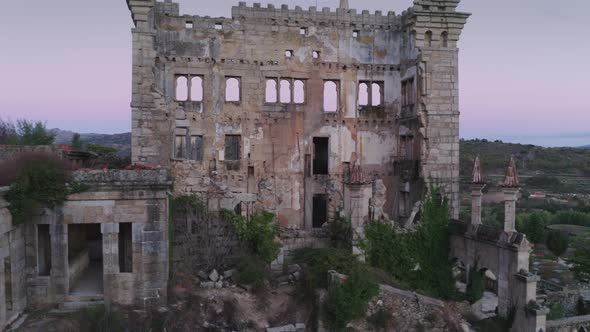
[475,286]
[534,225]
[41,181]
[418,259]
[319,261]
[581,259]
[341,233]
[556,311]
[557,242]
[349,301]
[252,271]
[260,233]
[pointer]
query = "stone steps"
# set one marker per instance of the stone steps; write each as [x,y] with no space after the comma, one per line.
[74,304]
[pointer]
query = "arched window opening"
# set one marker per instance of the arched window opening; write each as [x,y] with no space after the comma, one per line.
[376,99]
[181,88]
[363,94]
[444,37]
[285,94]
[197,88]
[232,89]
[428,38]
[271,91]
[299,92]
[330,96]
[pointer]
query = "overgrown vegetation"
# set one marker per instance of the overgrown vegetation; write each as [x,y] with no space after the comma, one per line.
[349,301]
[418,259]
[36,181]
[557,242]
[475,286]
[341,233]
[259,233]
[581,259]
[556,311]
[101,318]
[25,132]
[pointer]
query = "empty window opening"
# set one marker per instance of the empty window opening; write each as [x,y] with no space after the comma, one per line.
[218,26]
[363,94]
[289,53]
[8,281]
[238,209]
[315,54]
[441,8]
[319,210]
[285,91]
[444,37]
[188,25]
[428,38]
[425,7]
[180,147]
[376,97]
[181,88]
[330,96]
[196,89]
[196,148]
[408,92]
[303,31]
[232,147]
[320,155]
[271,91]
[355,33]
[43,250]
[125,247]
[232,89]
[85,258]
[299,92]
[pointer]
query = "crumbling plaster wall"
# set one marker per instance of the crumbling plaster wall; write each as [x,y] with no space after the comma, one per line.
[277,139]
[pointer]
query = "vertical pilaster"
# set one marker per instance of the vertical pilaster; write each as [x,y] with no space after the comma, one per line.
[356,206]
[476,195]
[510,197]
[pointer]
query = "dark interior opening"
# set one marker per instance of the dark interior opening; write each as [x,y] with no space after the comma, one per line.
[125,248]
[320,156]
[43,250]
[320,210]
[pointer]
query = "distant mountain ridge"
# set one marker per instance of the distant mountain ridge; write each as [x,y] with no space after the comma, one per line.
[585,146]
[121,142]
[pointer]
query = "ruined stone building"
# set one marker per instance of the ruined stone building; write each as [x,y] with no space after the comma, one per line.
[281,108]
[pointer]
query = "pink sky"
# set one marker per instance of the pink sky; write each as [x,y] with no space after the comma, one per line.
[525,68]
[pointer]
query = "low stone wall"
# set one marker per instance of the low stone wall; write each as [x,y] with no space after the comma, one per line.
[572,324]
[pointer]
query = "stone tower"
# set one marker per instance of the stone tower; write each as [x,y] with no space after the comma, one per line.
[436,26]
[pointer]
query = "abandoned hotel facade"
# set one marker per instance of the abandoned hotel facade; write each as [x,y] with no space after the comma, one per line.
[309,114]
[304,113]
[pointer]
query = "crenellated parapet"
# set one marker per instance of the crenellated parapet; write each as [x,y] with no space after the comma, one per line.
[436,23]
[326,14]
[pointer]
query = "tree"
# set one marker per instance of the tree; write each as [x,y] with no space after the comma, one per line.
[581,259]
[77,142]
[534,226]
[475,286]
[557,242]
[7,132]
[33,133]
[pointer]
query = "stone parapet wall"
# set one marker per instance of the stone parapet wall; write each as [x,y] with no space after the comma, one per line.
[571,324]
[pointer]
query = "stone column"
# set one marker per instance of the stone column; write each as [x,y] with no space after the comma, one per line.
[476,194]
[530,316]
[356,206]
[510,197]
[110,257]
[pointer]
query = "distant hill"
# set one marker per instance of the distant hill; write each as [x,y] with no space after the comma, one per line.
[121,142]
[585,147]
[564,170]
